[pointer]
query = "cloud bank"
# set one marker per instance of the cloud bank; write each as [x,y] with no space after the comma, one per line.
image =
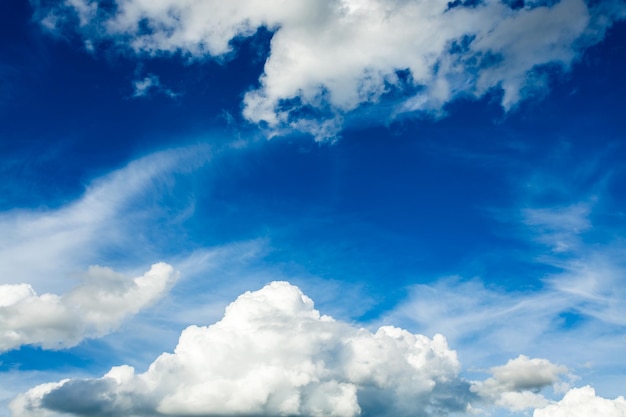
[274,354]
[92,309]
[329,58]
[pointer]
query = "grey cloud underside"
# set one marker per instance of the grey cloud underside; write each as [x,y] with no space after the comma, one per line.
[330,58]
[274,354]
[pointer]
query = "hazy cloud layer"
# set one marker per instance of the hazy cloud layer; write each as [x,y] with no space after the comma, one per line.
[328,58]
[94,308]
[583,402]
[274,354]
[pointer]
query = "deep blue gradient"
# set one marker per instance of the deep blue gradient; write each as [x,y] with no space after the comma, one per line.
[384,208]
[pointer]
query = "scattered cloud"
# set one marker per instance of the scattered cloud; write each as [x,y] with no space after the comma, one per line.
[92,309]
[151,84]
[583,402]
[431,52]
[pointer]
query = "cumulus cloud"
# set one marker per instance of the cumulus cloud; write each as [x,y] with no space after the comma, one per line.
[583,402]
[92,309]
[43,300]
[273,353]
[516,384]
[328,58]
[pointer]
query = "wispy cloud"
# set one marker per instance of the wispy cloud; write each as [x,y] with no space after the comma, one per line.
[45,298]
[572,311]
[330,58]
[151,84]
[44,247]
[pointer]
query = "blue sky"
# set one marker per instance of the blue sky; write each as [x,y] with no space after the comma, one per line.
[444,179]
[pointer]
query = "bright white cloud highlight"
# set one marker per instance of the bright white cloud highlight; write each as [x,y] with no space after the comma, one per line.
[94,308]
[273,354]
[328,58]
[45,298]
[583,402]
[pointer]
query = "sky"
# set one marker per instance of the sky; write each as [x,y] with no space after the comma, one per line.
[407,208]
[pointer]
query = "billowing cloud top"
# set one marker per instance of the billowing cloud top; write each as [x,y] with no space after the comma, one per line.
[328,58]
[583,402]
[274,354]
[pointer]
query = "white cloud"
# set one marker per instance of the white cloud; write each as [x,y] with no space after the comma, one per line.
[559,227]
[332,57]
[273,354]
[150,84]
[45,299]
[92,309]
[583,402]
[516,384]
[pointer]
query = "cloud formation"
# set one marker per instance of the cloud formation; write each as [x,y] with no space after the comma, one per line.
[329,58]
[583,402]
[273,353]
[516,384]
[45,298]
[92,309]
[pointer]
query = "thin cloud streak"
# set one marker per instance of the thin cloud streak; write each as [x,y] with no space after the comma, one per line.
[44,247]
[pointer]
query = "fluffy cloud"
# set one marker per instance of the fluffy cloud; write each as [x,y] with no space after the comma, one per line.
[328,58]
[516,384]
[583,402]
[92,309]
[44,249]
[273,354]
